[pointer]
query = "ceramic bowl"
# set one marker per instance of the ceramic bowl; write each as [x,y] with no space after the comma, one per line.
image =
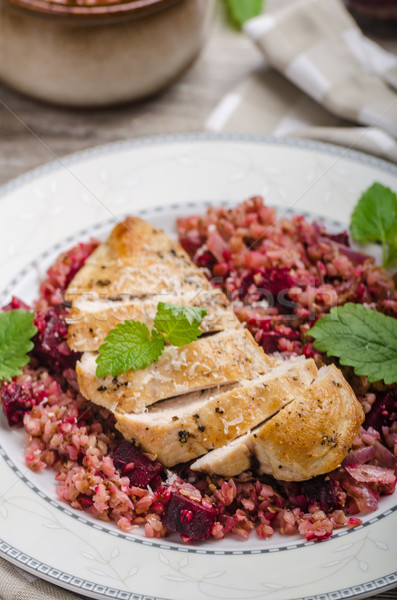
[91,53]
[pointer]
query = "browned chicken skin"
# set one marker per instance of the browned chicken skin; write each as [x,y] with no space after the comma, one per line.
[308,437]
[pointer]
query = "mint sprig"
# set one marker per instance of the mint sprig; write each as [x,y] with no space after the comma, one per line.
[16,332]
[374,219]
[361,338]
[131,346]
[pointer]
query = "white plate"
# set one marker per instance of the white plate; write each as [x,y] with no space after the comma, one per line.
[50,209]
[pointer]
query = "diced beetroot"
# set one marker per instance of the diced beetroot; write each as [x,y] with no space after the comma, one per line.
[269,341]
[15,402]
[15,304]
[189,518]
[85,501]
[137,466]
[383,412]
[204,259]
[340,238]
[324,491]
[269,284]
[50,344]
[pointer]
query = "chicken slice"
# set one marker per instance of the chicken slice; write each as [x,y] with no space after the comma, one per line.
[91,320]
[219,359]
[309,437]
[227,461]
[136,260]
[180,429]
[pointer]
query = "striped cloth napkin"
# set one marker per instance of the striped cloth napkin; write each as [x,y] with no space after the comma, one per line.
[322,79]
[16,584]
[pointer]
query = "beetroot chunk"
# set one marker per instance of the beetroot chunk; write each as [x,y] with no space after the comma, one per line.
[267,284]
[137,466]
[324,491]
[340,238]
[189,518]
[15,402]
[50,345]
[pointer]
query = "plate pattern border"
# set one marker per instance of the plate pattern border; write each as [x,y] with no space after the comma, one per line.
[77,584]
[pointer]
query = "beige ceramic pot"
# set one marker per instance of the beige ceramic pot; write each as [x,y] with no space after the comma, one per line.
[98,52]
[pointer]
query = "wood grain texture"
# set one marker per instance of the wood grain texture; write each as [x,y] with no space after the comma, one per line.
[32,133]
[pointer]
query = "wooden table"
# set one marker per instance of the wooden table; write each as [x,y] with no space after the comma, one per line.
[32,133]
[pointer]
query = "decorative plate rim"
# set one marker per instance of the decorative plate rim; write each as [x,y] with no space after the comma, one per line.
[154,140]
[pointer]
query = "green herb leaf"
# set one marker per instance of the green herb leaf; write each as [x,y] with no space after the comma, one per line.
[242,10]
[129,346]
[361,338]
[180,324]
[16,331]
[374,219]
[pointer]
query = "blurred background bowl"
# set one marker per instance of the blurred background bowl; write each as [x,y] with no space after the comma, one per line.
[375,13]
[88,53]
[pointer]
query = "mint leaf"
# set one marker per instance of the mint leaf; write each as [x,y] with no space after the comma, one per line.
[242,10]
[16,331]
[129,346]
[361,338]
[374,219]
[180,324]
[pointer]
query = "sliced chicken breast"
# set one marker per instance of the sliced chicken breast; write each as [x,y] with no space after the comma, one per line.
[180,429]
[205,397]
[210,361]
[308,437]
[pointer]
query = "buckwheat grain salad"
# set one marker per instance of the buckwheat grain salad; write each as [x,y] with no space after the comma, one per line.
[280,275]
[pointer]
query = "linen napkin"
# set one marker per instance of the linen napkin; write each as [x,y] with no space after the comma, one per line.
[16,584]
[320,75]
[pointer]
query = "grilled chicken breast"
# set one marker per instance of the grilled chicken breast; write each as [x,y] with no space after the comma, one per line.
[181,429]
[308,437]
[203,399]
